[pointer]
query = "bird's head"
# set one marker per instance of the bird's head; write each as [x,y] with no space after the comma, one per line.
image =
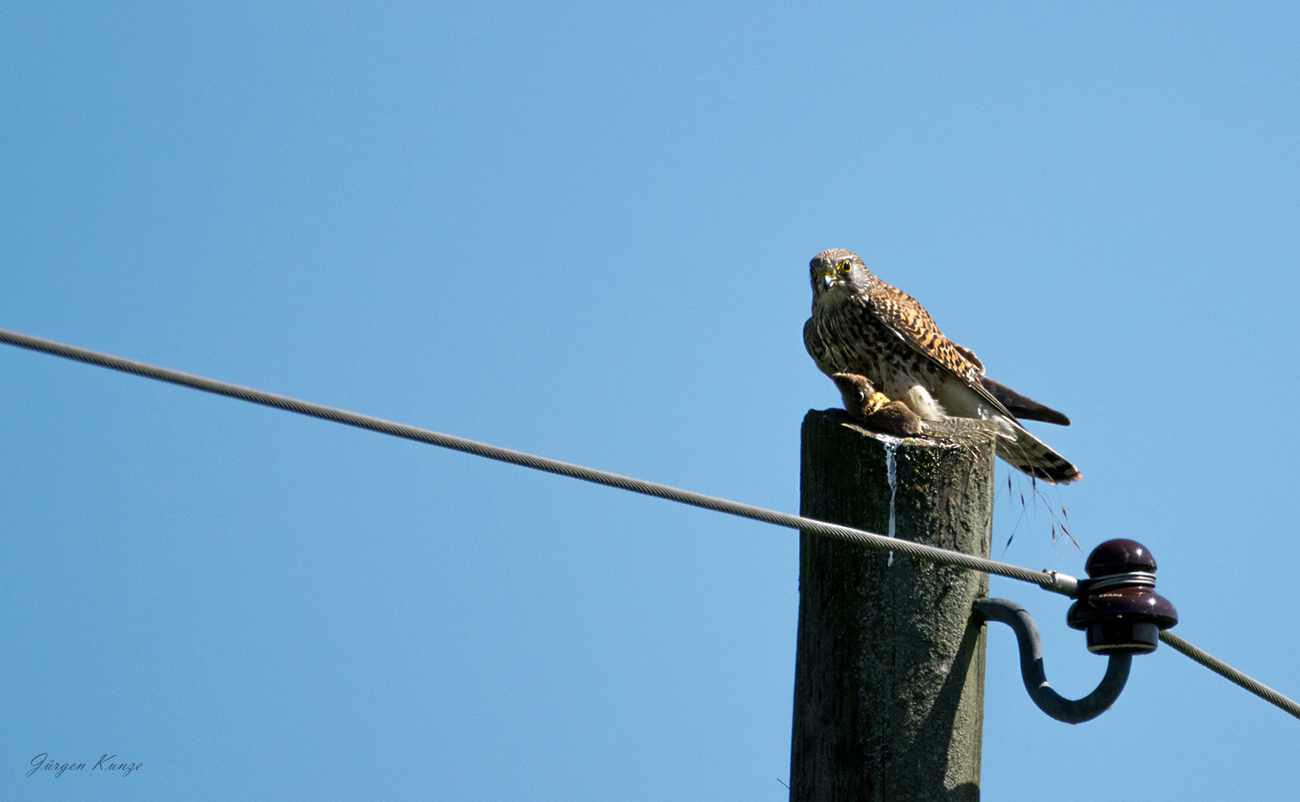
[838,272]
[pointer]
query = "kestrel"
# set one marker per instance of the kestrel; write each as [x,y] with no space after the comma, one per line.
[862,326]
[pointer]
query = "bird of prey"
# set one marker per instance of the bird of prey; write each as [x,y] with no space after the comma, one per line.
[862,326]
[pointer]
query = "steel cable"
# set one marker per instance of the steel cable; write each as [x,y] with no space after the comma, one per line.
[1048,580]
[1231,674]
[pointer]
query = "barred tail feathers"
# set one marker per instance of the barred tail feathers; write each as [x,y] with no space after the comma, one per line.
[1032,456]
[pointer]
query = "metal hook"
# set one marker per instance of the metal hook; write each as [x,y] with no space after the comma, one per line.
[1031,667]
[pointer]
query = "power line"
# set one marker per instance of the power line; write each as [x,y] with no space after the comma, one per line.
[1231,674]
[1048,580]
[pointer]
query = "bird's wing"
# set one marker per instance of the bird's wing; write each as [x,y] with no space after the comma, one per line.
[970,357]
[904,315]
[1023,407]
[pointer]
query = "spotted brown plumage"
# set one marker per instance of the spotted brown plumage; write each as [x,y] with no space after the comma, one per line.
[861,325]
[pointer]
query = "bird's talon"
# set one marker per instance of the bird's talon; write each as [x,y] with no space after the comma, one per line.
[875,402]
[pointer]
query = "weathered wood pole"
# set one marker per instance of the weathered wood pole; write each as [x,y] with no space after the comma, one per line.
[889,673]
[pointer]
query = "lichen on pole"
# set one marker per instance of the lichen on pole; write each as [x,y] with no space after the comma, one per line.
[889,672]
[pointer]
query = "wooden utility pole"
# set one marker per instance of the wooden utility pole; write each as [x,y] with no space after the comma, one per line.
[889,674]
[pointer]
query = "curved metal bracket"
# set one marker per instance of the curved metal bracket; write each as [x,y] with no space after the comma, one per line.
[1031,667]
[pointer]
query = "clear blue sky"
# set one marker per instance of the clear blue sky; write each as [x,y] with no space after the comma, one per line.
[584,232]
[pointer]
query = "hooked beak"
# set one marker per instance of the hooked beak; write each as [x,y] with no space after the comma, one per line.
[828,279]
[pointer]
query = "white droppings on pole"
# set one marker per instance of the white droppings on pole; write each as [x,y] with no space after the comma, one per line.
[891,466]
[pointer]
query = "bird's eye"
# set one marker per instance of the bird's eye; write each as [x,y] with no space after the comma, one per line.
[844,266]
